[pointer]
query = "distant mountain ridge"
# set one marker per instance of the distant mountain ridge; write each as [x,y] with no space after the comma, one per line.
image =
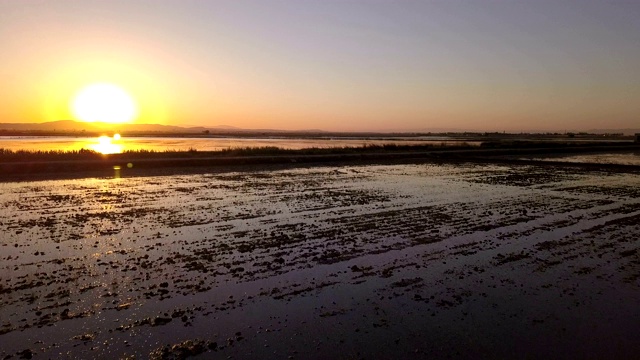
[77,127]
[71,125]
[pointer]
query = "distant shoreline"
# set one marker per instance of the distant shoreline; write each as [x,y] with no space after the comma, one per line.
[312,134]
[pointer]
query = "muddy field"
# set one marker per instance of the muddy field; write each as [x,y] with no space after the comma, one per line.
[631,158]
[396,261]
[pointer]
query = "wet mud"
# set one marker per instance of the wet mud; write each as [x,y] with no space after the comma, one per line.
[380,261]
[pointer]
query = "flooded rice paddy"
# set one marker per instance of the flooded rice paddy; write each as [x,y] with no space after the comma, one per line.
[394,261]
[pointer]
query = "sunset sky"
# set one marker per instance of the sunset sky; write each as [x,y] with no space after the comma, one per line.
[332,65]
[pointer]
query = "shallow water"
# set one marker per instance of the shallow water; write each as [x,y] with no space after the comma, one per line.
[366,261]
[200,144]
[614,158]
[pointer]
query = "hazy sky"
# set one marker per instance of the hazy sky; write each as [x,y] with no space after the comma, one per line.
[333,65]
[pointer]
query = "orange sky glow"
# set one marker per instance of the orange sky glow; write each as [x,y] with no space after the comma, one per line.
[345,66]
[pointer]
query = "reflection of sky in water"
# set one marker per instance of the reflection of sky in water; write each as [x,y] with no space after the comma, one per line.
[183,144]
[88,254]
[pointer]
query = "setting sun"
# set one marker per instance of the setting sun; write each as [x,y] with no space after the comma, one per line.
[104,103]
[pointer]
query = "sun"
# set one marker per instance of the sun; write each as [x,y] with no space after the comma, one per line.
[104,102]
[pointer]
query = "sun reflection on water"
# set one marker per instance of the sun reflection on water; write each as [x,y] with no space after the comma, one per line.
[108,145]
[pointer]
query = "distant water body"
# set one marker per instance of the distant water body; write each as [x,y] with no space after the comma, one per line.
[110,145]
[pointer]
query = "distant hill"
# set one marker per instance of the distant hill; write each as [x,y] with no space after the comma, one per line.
[76,126]
[71,127]
[68,126]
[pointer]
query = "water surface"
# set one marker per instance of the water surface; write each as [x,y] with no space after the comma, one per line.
[385,261]
[61,143]
[611,158]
